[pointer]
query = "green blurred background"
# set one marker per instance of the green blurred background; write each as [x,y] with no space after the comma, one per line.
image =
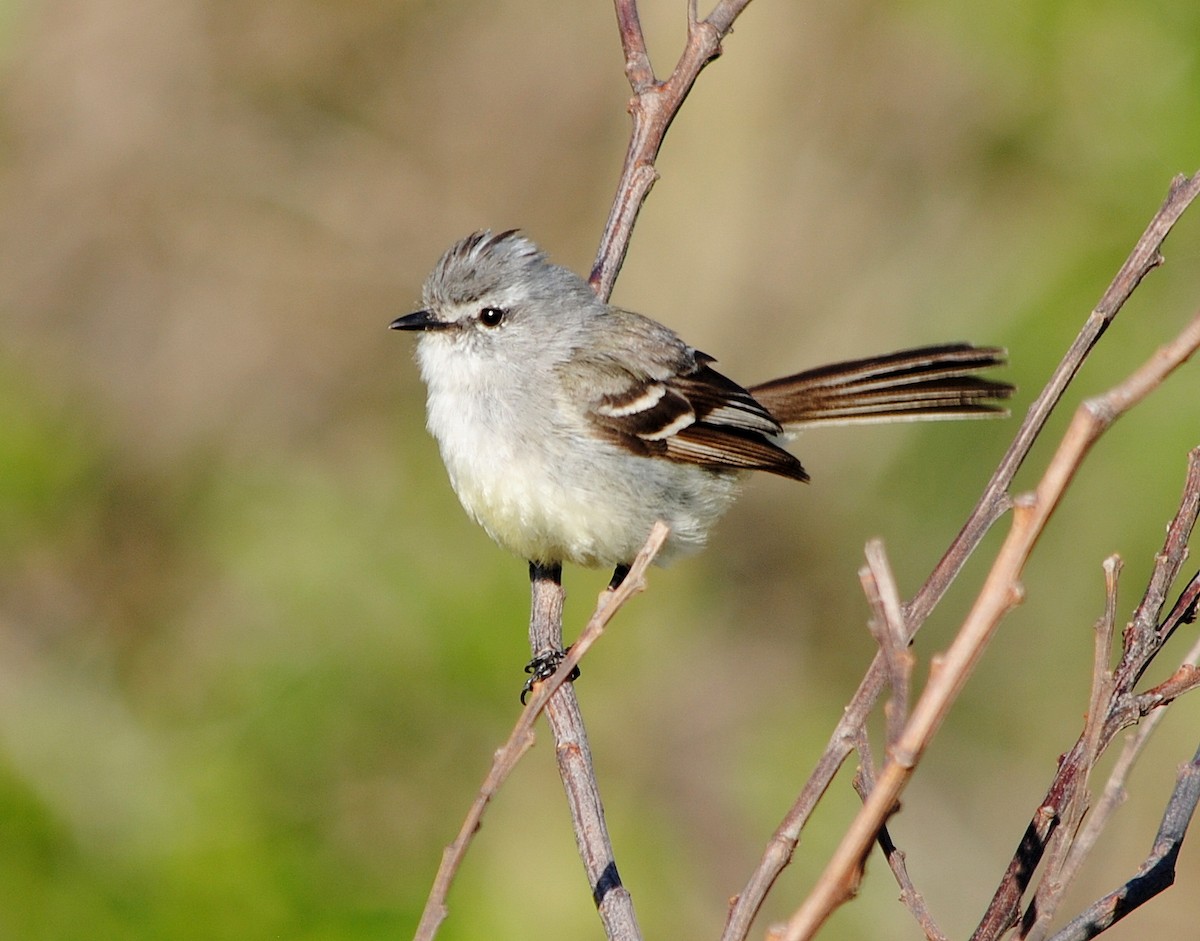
[253,657]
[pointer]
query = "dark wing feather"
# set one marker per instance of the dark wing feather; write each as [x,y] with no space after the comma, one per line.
[723,446]
[685,419]
[718,400]
[654,395]
[674,405]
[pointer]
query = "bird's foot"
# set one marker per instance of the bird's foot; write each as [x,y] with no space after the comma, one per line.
[542,667]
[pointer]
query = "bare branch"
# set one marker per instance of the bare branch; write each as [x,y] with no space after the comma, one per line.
[887,626]
[992,504]
[864,782]
[1061,846]
[1066,821]
[637,60]
[1123,708]
[570,738]
[1001,591]
[653,108]
[1113,797]
[1156,873]
[1145,257]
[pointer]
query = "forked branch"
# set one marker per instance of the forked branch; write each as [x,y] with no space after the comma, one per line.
[1001,591]
[993,503]
[1115,705]
[1156,873]
[653,107]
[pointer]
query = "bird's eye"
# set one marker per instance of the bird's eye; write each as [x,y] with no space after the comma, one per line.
[491,316]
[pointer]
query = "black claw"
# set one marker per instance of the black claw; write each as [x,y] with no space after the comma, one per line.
[542,667]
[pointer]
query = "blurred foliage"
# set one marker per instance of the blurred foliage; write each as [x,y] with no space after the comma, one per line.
[254,659]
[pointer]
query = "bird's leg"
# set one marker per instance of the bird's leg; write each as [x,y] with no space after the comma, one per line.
[618,576]
[545,625]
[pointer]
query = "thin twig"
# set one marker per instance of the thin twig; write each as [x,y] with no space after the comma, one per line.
[1001,591]
[653,107]
[992,504]
[1156,873]
[521,739]
[864,783]
[1053,883]
[1123,708]
[1145,257]
[1183,680]
[1112,797]
[887,626]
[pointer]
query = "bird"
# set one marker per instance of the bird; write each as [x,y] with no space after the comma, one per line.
[568,426]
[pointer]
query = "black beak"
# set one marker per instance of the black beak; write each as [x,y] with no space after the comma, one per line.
[419,320]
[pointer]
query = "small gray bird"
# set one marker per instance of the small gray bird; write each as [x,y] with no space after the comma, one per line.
[569,426]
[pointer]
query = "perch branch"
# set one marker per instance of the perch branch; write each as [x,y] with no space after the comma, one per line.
[653,107]
[545,697]
[571,749]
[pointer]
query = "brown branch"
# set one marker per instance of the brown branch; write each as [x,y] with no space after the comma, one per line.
[992,504]
[1119,711]
[887,626]
[1112,797]
[1145,257]
[638,70]
[653,107]
[864,782]
[575,767]
[1001,591]
[1063,838]
[1156,873]
[1127,707]
[1143,639]
[549,695]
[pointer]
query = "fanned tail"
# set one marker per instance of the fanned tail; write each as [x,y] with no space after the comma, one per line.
[922,384]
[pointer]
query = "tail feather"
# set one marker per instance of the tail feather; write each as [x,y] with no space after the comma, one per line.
[922,384]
